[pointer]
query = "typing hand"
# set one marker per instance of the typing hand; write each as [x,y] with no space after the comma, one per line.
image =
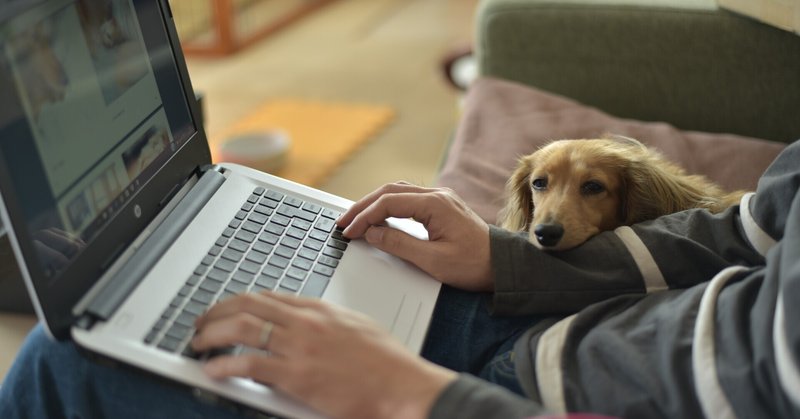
[457,252]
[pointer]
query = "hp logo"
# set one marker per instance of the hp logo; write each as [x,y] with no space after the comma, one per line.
[137,211]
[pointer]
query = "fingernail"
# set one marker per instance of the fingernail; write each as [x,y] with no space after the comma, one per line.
[374,234]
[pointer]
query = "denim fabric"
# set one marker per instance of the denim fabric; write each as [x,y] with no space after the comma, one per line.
[53,380]
[464,337]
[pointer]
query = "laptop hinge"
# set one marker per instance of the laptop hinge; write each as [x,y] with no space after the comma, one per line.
[147,252]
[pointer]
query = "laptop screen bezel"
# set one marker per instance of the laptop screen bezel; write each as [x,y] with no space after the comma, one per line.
[56,299]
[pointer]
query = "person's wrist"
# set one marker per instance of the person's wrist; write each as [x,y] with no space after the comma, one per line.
[421,392]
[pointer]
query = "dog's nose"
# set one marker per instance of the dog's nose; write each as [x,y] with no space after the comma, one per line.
[548,234]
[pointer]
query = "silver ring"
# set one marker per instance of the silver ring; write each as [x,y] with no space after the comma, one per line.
[266,331]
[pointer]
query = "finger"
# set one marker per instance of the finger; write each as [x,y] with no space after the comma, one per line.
[389,188]
[406,247]
[255,304]
[264,369]
[401,205]
[292,300]
[241,329]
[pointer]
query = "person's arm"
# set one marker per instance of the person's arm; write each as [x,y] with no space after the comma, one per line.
[675,251]
[468,397]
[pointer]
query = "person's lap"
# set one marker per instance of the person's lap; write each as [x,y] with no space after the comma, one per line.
[53,379]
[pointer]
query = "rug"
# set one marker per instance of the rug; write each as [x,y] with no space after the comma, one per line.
[323,134]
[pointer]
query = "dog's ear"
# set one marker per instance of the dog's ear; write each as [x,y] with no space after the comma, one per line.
[518,211]
[654,187]
[624,140]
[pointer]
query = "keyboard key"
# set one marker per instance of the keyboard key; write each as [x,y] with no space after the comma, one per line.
[337,234]
[281,220]
[259,191]
[279,261]
[270,237]
[222,241]
[232,255]
[207,260]
[274,228]
[257,218]
[308,253]
[195,307]
[203,297]
[323,270]
[244,277]
[291,284]
[295,202]
[334,253]
[319,235]
[234,224]
[315,286]
[274,195]
[186,319]
[284,251]
[239,245]
[337,244]
[328,261]
[178,331]
[286,210]
[272,271]
[313,244]
[297,274]
[263,209]
[200,269]
[226,265]
[193,280]
[312,207]
[267,282]
[269,203]
[211,286]
[290,242]
[246,236]
[251,227]
[305,215]
[324,224]
[236,287]
[263,247]
[303,264]
[169,344]
[256,257]
[185,290]
[331,214]
[296,233]
[252,199]
[218,275]
[301,224]
[247,207]
[251,267]
[241,215]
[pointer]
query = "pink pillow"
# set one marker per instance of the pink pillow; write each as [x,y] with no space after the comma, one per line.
[503,120]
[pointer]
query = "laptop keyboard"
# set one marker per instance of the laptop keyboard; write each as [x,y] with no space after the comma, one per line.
[274,243]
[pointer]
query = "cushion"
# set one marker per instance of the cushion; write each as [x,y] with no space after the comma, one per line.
[504,120]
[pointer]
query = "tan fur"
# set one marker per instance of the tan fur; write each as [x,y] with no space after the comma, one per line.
[638,184]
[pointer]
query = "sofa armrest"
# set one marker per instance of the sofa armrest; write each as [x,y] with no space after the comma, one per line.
[685,62]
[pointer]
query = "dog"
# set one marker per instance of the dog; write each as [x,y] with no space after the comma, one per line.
[571,190]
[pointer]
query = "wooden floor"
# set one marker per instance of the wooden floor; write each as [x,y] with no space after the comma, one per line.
[372,51]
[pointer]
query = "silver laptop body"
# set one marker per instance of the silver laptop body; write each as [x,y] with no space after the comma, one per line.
[118,218]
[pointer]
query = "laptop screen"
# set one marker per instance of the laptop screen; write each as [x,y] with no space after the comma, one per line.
[92,107]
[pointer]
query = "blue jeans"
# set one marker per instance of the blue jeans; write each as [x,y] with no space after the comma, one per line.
[52,379]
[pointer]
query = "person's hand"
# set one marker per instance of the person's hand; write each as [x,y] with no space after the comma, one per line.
[334,360]
[457,252]
[56,248]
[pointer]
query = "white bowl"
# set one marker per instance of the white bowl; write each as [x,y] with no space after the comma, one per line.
[263,150]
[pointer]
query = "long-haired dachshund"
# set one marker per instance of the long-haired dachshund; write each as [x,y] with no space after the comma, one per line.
[570,190]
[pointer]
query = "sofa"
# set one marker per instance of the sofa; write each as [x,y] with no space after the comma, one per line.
[714,91]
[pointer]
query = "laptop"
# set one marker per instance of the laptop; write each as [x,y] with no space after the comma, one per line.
[123,228]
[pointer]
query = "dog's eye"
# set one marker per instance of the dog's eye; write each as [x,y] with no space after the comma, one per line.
[592,188]
[539,184]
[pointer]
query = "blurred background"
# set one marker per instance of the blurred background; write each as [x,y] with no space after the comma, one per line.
[358,84]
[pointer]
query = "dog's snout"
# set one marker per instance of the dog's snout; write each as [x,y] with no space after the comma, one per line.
[549,234]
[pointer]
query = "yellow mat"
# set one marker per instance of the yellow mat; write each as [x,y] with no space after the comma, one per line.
[323,134]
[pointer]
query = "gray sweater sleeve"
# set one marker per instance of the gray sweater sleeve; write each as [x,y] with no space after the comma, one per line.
[469,397]
[679,250]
